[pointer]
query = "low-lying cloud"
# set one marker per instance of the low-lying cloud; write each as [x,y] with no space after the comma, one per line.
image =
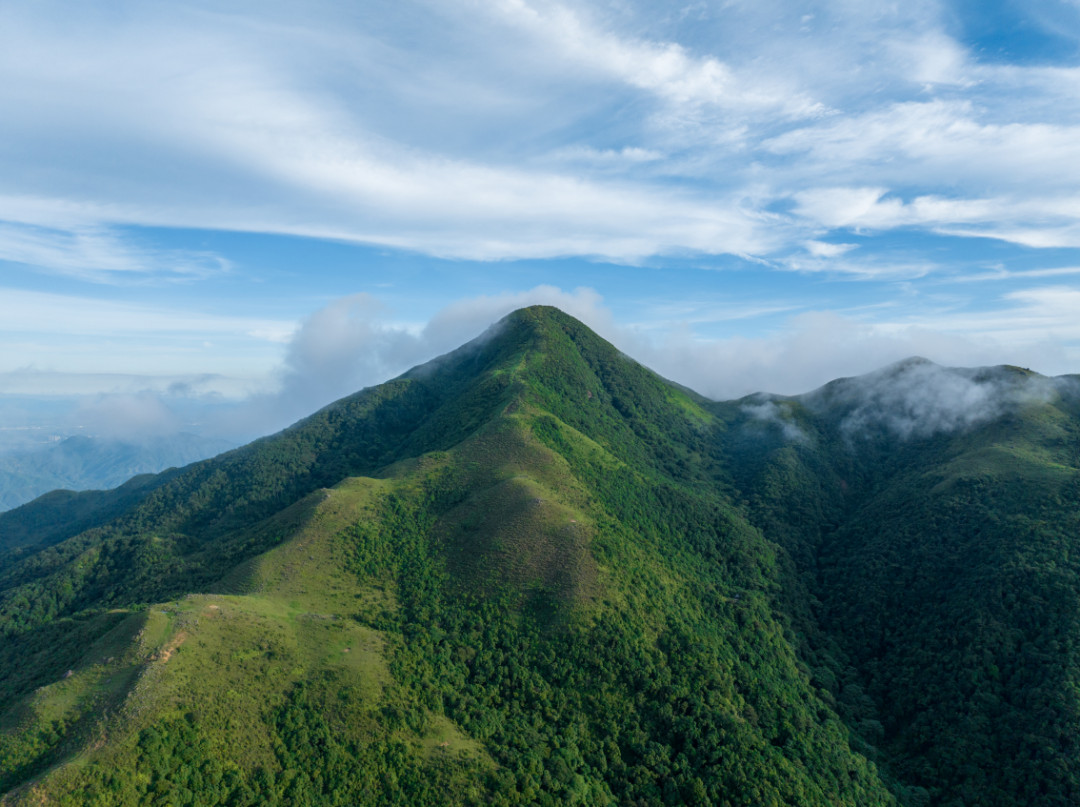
[917,398]
[357,341]
[129,417]
[778,415]
[354,342]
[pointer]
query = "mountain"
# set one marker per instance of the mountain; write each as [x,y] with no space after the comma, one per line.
[935,516]
[534,572]
[91,463]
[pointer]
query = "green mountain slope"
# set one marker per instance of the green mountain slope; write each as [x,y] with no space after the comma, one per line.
[63,514]
[937,542]
[511,576]
[533,572]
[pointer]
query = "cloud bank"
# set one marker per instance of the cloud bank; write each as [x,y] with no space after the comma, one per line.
[358,341]
[354,342]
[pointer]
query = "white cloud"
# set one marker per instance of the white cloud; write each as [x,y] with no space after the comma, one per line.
[664,68]
[1043,237]
[824,249]
[98,255]
[934,144]
[815,348]
[621,156]
[847,207]
[1038,313]
[77,344]
[216,128]
[917,398]
[41,312]
[31,382]
[778,415]
[476,134]
[1048,221]
[930,58]
[1001,273]
[464,210]
[126,416]
[356,341]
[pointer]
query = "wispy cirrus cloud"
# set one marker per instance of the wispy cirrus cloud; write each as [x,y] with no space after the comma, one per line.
[474,134]
[936,142]
[1032,222]
[240,142]
[665,68]
[31,312]
[847,142]
[97,254]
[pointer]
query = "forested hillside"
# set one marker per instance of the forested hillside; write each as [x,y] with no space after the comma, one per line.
[533,572]
[934,518]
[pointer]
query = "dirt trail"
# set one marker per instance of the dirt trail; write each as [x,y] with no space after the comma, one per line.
[165,653]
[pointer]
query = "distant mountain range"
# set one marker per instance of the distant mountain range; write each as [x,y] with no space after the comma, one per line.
[93,463]
[534,572]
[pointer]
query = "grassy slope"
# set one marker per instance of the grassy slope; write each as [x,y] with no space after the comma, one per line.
[550,602]
[226,666]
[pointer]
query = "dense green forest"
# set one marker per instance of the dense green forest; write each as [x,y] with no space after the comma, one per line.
[534,572]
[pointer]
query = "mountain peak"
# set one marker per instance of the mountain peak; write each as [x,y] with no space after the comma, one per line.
[536,325]
[541,312]
[522,331]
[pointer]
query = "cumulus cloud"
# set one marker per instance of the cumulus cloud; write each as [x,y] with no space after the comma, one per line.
[356,342]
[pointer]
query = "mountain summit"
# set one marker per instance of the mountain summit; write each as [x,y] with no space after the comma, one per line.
[534,572]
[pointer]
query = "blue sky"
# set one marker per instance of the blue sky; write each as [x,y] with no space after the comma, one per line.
[223,215]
